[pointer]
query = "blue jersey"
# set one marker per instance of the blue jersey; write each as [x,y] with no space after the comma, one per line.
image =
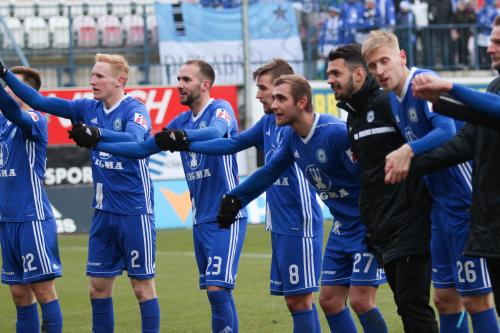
[291,201]
[451,188]
[209,177]
[122,185]
[22,171]
[325,158]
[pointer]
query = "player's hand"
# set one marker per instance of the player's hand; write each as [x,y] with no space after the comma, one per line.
[3,69]
[397,164]
[429,87]
[172,139]
[85,136]
[230,205]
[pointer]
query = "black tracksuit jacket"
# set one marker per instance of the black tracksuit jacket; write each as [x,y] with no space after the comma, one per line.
[396,216]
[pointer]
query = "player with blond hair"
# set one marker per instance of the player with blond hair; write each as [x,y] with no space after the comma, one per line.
[122,235]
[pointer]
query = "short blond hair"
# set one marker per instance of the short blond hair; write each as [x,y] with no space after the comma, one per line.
[118,63]
[377,39]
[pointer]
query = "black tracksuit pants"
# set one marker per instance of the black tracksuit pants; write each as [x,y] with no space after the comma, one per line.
[410,278]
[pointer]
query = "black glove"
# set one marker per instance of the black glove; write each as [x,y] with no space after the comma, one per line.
[230,205]
[3,69]
[172,139]
[85,136]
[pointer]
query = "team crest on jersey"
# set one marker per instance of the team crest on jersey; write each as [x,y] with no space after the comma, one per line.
[193,160]
[412,114]
[321,155]
[4,154]
[33,116]
[317,178]
[224,115]
[203,124]
[117,124]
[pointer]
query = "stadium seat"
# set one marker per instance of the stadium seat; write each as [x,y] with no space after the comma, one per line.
[16,29]
[110,30]
[133,27]
[37,33]
[59,29]
[86,31]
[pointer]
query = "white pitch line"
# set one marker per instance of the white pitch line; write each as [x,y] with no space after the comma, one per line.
[173,253]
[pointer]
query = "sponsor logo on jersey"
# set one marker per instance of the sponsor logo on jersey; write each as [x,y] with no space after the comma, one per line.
[117,124]
[141,120]
[412,114]
[296,154]
[410,136]
[4,154]
[7,173]
[317,178]
[282,181]
[190,176]
[268,133]
[370,116]
[103,162]
[224,115]
[33,116]
[321,155]
[203,124]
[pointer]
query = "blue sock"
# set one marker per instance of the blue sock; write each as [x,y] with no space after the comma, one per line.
[341,322]
[317,324]
[235,313]
[27,319]
[52,320]
[103,318]
[222,314]
[373,322]
[485,321]
[303,321]
[150,315]
[453,323]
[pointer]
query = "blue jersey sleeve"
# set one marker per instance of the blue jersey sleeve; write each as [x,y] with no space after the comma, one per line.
[487,103]
[264,177]
[13,112]
[130,149]
[340,143]
[444,129]
[137,126]
[213,131]
[56,106]
[251,137]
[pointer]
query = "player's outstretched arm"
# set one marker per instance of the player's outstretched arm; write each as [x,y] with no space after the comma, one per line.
[130,149]
[13,112]
[450,107]
[486,103]
[459,149]
[264,177]
[53,105]
[251,137]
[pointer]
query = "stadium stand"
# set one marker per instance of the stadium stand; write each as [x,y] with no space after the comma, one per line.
[36,30]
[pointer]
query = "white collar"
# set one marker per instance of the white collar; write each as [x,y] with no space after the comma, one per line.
[112,108]
[311,131]
[407,84]
[202,110]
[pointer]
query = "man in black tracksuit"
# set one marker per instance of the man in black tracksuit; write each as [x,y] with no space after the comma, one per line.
[396,216]
[478,140]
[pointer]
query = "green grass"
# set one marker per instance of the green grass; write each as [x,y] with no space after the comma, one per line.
[184,308]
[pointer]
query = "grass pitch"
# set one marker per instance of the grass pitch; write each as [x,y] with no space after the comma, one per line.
[184,308]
